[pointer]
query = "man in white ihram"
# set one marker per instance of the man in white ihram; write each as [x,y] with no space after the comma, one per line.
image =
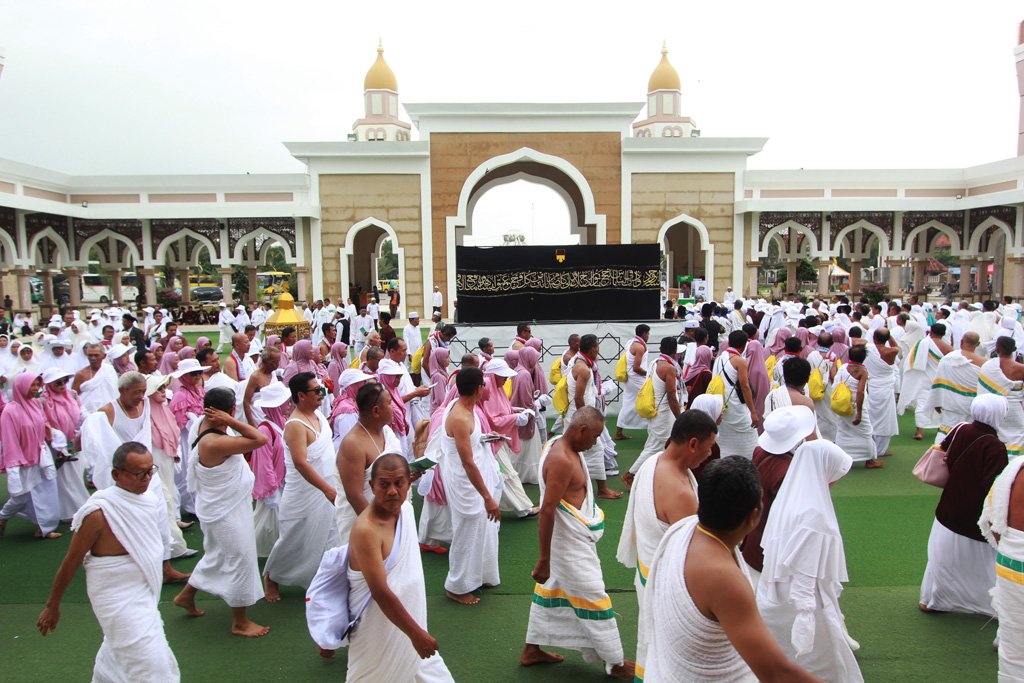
[121,539]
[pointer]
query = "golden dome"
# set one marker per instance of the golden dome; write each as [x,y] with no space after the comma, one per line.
[664,76]
[285,316]
[380,76]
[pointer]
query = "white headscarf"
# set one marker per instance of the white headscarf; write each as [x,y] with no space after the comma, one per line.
[802,534]
[989,409]
[712,404]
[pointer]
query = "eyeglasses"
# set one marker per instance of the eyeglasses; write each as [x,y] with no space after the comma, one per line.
[141,476]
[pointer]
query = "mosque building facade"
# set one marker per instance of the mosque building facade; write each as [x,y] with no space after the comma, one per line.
[630,173]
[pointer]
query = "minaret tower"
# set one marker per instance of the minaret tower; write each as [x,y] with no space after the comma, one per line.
[1019,53]
[664,103]
[380,99]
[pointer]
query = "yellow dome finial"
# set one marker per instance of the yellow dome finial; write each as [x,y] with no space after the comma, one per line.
[664,76]
[380,76]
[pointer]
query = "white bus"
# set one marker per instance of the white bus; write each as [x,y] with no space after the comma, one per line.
[94,291]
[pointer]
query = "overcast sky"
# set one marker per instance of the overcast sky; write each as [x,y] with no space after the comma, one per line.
[122,86]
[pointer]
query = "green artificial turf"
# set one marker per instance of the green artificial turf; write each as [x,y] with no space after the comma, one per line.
[885,515]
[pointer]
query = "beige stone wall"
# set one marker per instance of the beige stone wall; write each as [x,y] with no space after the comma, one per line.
[453,156]
[393,198]
[708,197]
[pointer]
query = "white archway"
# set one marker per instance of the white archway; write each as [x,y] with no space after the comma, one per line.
[110,234]
[705,244]
[908,241]
[883,246]
[991,222]
[525,154]
[272,238]
[349,250]
[161,250]
[575,226]
[779,230]
[63,251]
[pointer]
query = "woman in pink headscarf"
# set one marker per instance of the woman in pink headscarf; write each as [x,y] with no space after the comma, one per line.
[168,363]
[268,466]
[698,374]
[438,377]
[23,430]
[778,345]
[344,411]
[123,361]
[840,346]
[399,422]
[512,357]
[188,400]
[339,362]
[63,413]
[275,341]
[804,335]
[202,343]
[302,361]
[176,343]
[157,349]
[540,379]
[757,373]
[523,392]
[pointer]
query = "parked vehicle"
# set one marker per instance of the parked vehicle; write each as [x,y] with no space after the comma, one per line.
[206,294]
[96,291]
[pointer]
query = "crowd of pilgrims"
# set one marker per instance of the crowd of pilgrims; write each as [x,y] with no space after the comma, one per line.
[286,449]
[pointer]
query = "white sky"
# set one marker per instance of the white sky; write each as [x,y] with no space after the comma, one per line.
[204,86]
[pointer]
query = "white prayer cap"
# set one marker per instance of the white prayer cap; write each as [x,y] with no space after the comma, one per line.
[712,404]
[413,315]
[93,311]
[118,350]
[222,304]
[989,409]
[52,374]
[114,302]
[929,306]
[785,428]
[186,366]
[389,367]
[729,288]
[817,329]
[240,307]
[977,306]
[351,376]
[829,325]
[149,309]
[48,340]
[691,325]
[273,395]
[154,382]
[499,367]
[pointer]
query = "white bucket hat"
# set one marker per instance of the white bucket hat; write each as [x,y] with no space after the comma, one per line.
[186,366]
[273,395]
[785,428]
[52,374]
[499,367]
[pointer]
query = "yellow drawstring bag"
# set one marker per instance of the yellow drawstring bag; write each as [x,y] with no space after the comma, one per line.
[769,364]
[645,405]
[816,385]
[555,373]
[354,365]
[560,397]
[621,369]
[417,360]
[842,400]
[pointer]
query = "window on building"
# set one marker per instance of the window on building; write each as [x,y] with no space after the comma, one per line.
[668,104]
[652,106]
[393,105]
[376,104]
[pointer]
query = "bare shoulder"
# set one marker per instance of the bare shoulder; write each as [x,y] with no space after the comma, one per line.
[108,410]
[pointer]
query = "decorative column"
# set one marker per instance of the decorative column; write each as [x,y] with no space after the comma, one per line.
[824,271]
[792,285]
[149,277]
[23,302]
[752,279]
[855,268]
[186,297]
[894,275]
[300,284]
[47,276]
[919,273]
[115,286]
[1014,277]
[965,278]
[981,277]
[254,285]
[225,284]
[75,287]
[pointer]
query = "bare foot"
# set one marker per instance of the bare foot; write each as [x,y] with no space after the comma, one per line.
[326,654]
[627,479]
[188,604]
[625,670]
[249,629]
[604,492]
[52,534]
[619,436]
[488,585]
[532,654]
[173,575]
[464,599]
[271,592]
[873,464]
[924,608]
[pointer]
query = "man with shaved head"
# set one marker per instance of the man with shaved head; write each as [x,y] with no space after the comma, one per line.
[234,365]
[570,606]
[955,385]
[392,642]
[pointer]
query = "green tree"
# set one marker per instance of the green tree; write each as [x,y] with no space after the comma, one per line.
[387,263]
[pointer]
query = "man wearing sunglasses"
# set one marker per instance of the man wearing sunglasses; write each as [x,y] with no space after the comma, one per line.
[121,539]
